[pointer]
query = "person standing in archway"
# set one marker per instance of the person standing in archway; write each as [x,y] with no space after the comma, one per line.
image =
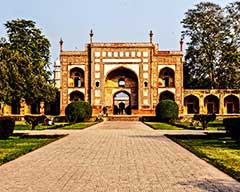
[121,107]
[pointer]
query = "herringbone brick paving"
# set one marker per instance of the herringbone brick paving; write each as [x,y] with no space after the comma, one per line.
[114,157]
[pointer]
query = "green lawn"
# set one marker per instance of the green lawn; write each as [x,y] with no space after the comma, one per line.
[21,125]
[220,151]
[18,145]
[80,125]
[163,126]
[178,125]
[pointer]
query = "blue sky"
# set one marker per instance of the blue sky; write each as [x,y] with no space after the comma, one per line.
[111,20]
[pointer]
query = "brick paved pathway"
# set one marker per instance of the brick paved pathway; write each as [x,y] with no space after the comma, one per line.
[114,157]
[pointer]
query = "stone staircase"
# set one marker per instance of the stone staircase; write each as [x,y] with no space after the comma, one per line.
[123,118]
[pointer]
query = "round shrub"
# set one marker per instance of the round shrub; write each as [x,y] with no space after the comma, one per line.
[77,111]
[7,125]
[166,110]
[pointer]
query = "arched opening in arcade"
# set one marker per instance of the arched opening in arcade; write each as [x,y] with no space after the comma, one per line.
[76,77]
[166,77]
[121,84]
[121,103]
[231,104]
[76,96]
[192,104]
[15,108]
[35,108]
[53,108]
[166,95]
[211,102]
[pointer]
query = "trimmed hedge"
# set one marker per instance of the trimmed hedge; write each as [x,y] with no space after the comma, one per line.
[232,126]
[7,125]
[77,111]
[166,110]
[204,119]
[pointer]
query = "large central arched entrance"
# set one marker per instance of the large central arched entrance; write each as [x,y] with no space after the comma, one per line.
[121,85]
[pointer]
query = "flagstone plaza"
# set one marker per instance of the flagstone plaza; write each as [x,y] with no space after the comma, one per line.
[115,157]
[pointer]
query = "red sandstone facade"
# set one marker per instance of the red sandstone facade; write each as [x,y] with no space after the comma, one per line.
[124,78]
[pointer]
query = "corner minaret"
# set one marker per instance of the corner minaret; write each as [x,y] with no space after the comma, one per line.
[150,36]
[181,44]
[61,45]
[91,36]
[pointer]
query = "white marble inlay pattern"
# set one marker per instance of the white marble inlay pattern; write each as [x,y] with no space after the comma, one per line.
[145,54]
[97,75]
[145,93]
[109,54]
[121,60]
[97,67]
[145,60]
[97,93]
[145,67]
[145,75]
[145,102]
[97,54]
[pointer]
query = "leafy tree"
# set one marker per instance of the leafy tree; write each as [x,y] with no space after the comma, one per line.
[24,64]
[212,55]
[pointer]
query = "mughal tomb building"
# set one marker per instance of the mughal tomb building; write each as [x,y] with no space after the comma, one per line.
[127,78]
[131,78]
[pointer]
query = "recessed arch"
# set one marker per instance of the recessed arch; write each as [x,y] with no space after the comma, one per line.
[192,104]
[35,108]
[77,77]
[76,96]
[125,80]
[15,108]
[166,95]
[211,102]
[231,104]
[166,77]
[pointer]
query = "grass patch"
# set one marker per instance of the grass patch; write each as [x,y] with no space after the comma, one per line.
[162,126]
[21,125]
[80,125]
[18,145]
[216,125]
[213,125]
[217,149]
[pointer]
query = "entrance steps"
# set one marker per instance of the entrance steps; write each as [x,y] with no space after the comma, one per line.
[123,118]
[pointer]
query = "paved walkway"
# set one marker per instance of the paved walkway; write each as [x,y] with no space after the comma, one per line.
[114,157]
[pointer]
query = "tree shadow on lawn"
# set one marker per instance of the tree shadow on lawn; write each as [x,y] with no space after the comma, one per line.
[213,185]
[39,136]
[218,140]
